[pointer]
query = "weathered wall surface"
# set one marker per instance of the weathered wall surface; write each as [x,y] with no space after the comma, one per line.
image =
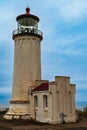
[61,102]
[27,69]
[27,65]
[65,99]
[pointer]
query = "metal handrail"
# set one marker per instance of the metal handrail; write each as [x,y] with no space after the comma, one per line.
[27,30]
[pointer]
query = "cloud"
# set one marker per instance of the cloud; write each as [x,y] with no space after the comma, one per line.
[64,47]
[81,97]
[68,45]
[6,22]
[74,10]
[70,10]
[5,90]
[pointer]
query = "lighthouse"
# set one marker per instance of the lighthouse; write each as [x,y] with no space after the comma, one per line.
[33,98]
[27,63]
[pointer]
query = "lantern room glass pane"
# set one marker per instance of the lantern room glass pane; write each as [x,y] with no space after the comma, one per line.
[27,23]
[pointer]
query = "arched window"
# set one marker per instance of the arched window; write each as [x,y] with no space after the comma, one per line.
[45,101]
[35,101]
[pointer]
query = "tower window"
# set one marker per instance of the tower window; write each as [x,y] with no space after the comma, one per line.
[35,101]
[45,101]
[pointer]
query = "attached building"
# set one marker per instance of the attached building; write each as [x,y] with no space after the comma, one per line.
[53,102]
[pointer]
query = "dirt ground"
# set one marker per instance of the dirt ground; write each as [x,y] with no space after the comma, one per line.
[30,125]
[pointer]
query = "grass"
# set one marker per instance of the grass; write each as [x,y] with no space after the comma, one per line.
[3,128]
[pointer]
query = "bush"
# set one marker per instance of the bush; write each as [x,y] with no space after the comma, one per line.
[3,111]
[82,112]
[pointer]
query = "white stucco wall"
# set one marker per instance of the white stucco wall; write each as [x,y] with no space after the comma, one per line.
[27,69]
[27,65]
[40,113]
[61,101]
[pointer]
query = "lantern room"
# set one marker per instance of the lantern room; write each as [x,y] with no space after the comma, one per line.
[27,24]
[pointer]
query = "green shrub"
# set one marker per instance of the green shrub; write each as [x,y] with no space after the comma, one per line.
[82,112]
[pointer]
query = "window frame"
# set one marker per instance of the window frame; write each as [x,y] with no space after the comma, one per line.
[45,101]
[35,101]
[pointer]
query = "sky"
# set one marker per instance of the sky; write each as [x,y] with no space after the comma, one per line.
[64,45]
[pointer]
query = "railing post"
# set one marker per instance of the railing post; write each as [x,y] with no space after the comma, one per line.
[20,31]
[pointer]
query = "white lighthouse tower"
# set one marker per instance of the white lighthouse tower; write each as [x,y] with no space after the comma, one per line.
[27,64]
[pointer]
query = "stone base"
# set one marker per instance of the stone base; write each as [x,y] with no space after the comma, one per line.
[18,111]
[11,117]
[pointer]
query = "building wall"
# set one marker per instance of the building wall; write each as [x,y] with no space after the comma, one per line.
[61,102]
[66,93]
[27,69]
[41,113]
[27,65]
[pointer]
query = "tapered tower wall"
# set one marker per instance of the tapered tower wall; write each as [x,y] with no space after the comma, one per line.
[27,69]
[27,66]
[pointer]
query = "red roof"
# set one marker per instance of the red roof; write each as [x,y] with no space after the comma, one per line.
[27,15]
[42,87]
